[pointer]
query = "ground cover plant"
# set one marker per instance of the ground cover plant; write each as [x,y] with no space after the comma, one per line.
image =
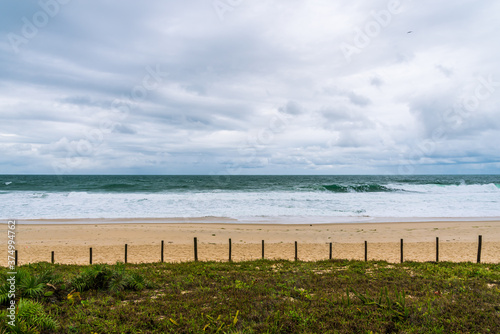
[257,297]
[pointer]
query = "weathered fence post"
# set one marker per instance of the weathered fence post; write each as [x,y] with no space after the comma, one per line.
[330,257]
[262,249]
[195,249]
[480,243]
[402,258]
[90,256]
[126,246]
[230,249]
[162,251]
[52,257]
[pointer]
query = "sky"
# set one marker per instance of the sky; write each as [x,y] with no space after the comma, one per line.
[235,87]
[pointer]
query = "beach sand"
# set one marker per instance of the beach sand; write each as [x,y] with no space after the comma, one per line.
[71,239]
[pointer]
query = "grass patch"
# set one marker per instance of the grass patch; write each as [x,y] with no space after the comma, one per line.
[259,297]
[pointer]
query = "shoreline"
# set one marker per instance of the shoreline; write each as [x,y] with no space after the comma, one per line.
[279,220]
[71,242]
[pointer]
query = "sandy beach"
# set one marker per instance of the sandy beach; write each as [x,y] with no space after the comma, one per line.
[71,239]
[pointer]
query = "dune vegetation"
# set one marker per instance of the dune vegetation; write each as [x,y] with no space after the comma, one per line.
[261,296]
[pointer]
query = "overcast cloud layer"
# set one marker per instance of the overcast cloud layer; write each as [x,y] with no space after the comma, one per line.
[249,87]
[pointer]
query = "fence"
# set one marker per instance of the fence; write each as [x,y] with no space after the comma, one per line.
[296,258]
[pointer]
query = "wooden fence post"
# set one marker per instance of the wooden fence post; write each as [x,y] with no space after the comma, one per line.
[162,251]
[195,249]
[262,249]
[402,258]
[52,257]
[230,249]
[90,258]
[126,253]
[15,257]
[330,257]
[480,244]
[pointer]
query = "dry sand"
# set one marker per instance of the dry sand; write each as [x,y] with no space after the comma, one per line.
[71,240]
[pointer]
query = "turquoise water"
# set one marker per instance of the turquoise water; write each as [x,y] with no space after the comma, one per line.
[104,196]
[177,183]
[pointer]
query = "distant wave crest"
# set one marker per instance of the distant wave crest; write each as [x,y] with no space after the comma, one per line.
[359,188]
[117,186]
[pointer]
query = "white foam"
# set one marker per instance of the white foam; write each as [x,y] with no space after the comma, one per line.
[417,201]
[444,189]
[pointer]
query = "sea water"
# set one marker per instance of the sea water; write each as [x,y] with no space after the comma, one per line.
[250,198]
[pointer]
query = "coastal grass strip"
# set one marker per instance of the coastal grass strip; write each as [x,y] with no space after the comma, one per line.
[266,296]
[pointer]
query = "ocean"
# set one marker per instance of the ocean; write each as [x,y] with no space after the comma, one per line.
[251,198]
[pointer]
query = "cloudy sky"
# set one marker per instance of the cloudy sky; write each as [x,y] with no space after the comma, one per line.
[249,87]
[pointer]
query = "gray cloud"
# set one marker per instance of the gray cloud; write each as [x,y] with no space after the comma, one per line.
[264,90]
[292,108]
[358,99]
[376,81]
[448,72]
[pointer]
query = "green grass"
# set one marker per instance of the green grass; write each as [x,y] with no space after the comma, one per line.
[265,297]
